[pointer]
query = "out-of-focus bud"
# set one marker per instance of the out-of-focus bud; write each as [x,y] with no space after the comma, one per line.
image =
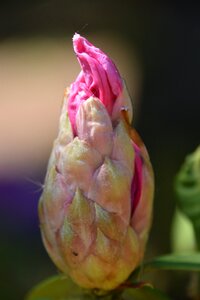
[96,207]
[187,186]
[182,234]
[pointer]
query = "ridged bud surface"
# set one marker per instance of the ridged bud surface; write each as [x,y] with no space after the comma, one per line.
[96,207]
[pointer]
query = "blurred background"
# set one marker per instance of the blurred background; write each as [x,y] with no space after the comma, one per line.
[156,46]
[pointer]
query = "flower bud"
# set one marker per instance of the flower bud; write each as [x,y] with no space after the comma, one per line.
[187,186]
[96,207]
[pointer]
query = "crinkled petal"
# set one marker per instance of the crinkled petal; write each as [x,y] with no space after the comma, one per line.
[99,78]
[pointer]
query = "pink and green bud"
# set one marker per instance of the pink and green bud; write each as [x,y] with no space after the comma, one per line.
[96,207]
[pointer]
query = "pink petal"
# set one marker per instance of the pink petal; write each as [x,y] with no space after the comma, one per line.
[136,186]
[99,77]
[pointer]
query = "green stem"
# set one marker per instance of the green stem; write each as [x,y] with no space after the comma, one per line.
[197,235]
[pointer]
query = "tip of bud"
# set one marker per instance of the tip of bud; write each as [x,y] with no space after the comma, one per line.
[79,43]
[75,36]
